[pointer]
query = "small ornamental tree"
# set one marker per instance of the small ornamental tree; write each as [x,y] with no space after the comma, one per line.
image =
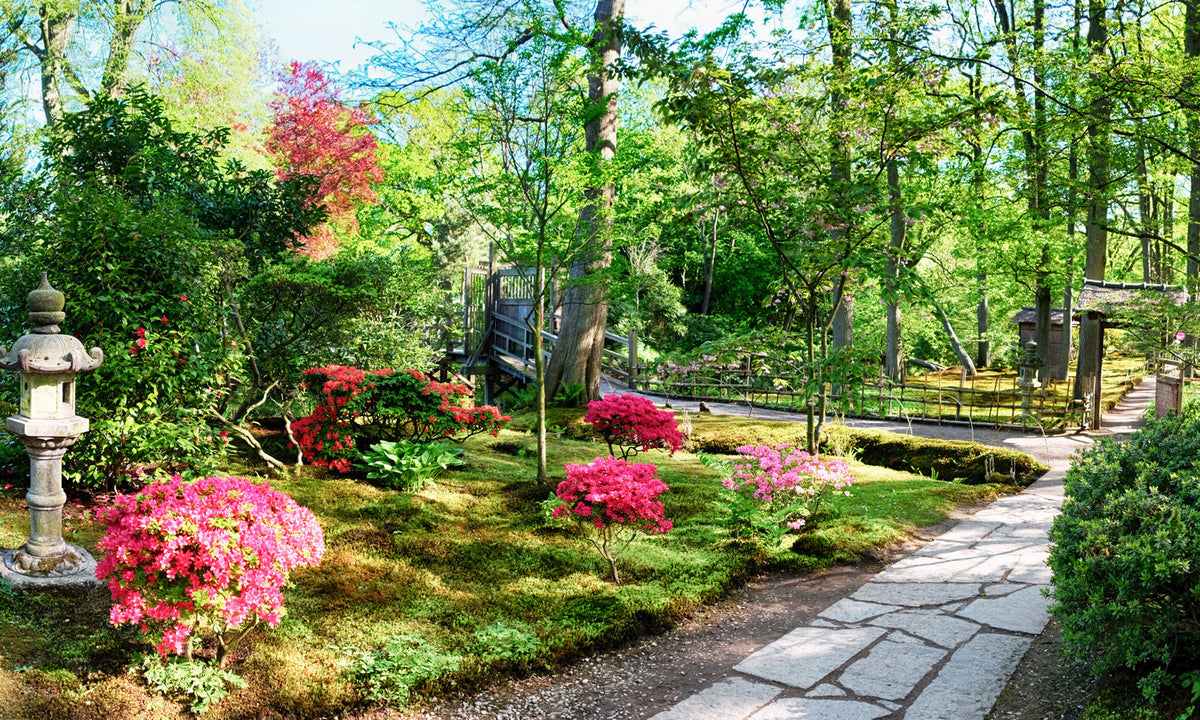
[632,423]
[772,491]
[358,408]
[613,500]
[204,558]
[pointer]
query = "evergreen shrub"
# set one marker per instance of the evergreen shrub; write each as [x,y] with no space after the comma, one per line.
[1126,552]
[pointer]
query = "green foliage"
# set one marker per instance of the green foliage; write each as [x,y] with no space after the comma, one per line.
[1124,552]
[409,466]
[515,641]
[391,673]
[199,684]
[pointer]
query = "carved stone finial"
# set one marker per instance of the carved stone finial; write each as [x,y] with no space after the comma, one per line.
[45,308]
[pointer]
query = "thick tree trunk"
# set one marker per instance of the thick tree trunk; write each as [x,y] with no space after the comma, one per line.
[580,347]
[1097,217]
[1145,212]
[128,16]
[840,33]
[55,25]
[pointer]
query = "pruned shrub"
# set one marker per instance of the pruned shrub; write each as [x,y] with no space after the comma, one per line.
[632,424]
[359,408]
[208,558]
[1126,552]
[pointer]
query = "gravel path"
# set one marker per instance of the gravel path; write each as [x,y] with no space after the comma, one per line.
[931,633]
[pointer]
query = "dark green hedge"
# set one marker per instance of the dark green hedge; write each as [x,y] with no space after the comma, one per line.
[1126,552]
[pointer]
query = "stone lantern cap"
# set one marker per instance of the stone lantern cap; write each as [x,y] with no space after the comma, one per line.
[45,351]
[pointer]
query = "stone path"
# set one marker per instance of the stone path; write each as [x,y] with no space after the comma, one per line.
[936,635]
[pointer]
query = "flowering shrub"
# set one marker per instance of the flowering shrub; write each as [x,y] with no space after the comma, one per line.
[358,408]
[204,557]
[771,491]
[613,500]
[632,423]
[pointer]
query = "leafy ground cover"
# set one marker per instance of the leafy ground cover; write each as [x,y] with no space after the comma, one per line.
[442,590]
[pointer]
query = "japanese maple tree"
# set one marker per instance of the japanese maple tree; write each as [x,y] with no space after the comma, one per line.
[314,133]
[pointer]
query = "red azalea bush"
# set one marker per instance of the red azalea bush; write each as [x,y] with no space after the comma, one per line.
[632,423]
[205,557]
[358,408]
[613,500]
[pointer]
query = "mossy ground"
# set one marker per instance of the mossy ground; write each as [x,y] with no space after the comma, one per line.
[454,565]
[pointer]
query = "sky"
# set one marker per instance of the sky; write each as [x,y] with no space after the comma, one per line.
[328,31]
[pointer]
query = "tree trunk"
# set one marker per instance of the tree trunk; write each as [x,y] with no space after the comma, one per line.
[893,361]
[840,34]
[1191,48]
[56,25]
[128,16]
[710,262]
[963,358]
[580,347]
[1145,213]
[983,348]
[1097,218]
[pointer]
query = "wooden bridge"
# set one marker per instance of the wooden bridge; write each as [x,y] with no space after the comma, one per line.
[499,311]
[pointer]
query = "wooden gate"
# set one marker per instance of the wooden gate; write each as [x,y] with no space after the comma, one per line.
[1168,393]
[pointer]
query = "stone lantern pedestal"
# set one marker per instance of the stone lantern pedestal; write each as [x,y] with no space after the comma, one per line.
[47,425]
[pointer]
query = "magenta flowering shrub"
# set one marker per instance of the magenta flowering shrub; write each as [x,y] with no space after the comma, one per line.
[613,501]
[209,557]
[631,423]
[775,490]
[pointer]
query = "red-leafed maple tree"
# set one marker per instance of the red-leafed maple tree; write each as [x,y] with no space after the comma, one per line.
[314,133]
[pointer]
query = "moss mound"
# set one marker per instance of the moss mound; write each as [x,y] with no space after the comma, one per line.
[968,462]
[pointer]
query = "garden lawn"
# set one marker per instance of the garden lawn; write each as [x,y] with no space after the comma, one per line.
[444,589]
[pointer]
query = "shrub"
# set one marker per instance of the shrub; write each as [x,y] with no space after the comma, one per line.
[1125,551]
[358,408]
[390,674]
[613,500]
[405,465]
[199,684]
[632,423]
[772,491]
[209,557]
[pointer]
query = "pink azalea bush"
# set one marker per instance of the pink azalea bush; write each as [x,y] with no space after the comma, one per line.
[774,490]
[632,423]
[210,556]
[613,501]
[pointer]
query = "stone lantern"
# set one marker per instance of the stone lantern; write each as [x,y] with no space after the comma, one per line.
[47,425]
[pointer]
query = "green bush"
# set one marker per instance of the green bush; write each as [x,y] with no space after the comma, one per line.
[1126,552]
[390,674]
[199,684]
[409,466]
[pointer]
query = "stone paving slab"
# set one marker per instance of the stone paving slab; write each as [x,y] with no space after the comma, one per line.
[1025,610]
[733,697]
[851,611]
[814,709]
[914,594]
[803,657]
[892,669]
[932,625]
[969,683]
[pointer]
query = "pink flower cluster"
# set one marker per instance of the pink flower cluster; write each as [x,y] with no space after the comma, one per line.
[612,491]
[782,476]
[214,553]
[632,422]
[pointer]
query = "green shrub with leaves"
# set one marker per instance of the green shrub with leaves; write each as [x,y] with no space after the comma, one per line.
[513,641]
[409,466]
[1126,552]
[199,684]
[390,674]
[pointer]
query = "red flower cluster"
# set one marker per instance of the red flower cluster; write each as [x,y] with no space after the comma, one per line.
[632,423]
[215,553]
[359,407]
[614,491]
[613,500]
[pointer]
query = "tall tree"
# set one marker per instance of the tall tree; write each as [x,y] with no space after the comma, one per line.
[580,348]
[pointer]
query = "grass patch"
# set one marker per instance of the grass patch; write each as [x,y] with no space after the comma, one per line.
[450,587]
